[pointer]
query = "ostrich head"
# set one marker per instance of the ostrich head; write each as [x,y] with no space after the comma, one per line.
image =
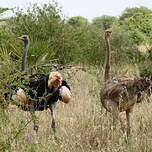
[108,33]
[24,38]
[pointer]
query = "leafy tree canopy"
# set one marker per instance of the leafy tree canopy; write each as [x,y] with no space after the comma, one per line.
[138,23]
[104,22]
[77,20]
[131,12]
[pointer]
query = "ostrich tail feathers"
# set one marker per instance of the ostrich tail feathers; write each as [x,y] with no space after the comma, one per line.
[20,96]
[65,94]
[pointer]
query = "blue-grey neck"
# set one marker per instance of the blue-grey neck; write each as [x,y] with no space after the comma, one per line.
[26,47]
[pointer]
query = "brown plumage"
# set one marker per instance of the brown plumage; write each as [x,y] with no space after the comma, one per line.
[120,93]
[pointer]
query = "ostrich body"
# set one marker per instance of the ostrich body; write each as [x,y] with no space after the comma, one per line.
[43,91]
[120,93]
[42,95]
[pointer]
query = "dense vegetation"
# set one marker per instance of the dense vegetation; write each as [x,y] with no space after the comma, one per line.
[75,39]
[70,41]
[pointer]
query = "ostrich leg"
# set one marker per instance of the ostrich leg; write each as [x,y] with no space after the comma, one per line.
[53,109]
[35,122]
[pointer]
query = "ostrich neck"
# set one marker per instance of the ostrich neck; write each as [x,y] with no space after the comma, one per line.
[26,46]
[107,67]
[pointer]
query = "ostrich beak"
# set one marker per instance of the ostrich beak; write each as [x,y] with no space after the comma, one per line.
[20,38]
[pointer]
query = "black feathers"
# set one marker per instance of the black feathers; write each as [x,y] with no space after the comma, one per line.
[39,93]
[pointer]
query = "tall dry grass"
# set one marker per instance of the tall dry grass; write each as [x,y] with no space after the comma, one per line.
[82,125]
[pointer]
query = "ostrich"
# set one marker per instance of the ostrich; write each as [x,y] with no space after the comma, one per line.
[120,93]
[43,91]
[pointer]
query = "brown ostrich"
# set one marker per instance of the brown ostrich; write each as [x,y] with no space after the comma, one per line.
[120,93]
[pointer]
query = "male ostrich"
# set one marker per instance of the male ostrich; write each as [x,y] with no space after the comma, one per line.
[43,91]
[121,93]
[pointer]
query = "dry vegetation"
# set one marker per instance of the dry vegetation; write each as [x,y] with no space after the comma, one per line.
[82,125]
